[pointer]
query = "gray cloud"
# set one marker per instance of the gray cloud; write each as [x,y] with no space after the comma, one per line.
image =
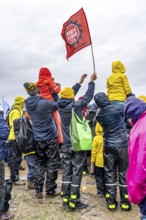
[30,38]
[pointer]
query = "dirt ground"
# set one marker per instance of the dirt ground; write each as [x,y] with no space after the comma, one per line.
[25,206]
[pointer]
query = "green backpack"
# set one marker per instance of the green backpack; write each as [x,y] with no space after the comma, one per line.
[80,134]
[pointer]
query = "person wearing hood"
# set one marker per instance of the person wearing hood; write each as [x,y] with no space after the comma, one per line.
[118,88]
[97,162]
[115,150]
[49,89]
[14,153]
[135,113]
[4,132]
[45,134]
[73,162]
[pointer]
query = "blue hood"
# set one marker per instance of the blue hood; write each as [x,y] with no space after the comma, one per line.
[101,99]
[133,109]
[32,101]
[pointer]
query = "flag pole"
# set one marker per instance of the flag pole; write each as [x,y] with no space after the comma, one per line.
[93,58]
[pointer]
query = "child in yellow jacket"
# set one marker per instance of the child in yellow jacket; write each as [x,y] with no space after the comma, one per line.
[118,88]
[97,162]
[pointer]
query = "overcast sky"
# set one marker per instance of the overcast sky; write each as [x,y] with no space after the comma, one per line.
[30,38]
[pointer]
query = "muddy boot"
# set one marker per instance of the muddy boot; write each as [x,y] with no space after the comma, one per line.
[125,207]
[81,205]
[39,195]
[52,193]
[30,184]
[6,216]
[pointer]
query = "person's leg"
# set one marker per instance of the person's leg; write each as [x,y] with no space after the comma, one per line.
[52,163]
[100,180]
[78,160]
[110,178]
[39,168]
[122,162]
[66,174]
[2,185]
[30,175]
[13,152]
[142,207]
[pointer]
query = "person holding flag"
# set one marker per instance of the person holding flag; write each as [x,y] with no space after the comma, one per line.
[73,162]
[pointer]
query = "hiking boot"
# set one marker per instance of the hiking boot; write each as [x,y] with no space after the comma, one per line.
[6,216]
[81,205]
[52,193]
[30,184]
[112,207]
[125,207]
[39,195]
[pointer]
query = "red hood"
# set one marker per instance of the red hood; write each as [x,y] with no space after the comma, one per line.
[44,76]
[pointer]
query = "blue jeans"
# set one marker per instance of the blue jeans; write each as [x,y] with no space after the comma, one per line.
[142,206]
[30,162]
[2,185]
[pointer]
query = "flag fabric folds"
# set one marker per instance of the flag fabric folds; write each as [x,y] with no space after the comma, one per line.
[75,33]
[5,107]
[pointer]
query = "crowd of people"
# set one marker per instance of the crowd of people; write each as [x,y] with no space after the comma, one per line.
[118,156]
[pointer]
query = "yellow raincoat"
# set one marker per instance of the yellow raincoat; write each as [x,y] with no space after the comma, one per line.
[97,147]
[15,113]
[117,84]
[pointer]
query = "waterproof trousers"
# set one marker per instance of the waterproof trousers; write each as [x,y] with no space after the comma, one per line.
[46,160]
[5,189]
[2,185]
[100,180]
[72,169]
[14,159]
[142,207]
[115,164]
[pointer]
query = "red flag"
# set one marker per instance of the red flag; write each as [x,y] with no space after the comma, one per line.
[75,33]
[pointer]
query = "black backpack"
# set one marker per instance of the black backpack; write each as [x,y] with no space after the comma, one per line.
[24,134]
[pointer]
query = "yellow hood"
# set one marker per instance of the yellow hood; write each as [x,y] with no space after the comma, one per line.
[98,129]
[118,67]
[18,102]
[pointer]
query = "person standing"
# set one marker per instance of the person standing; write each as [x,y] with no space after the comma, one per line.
[73,162]
[135,113]
[14,156]
[115,150]
[97,162]
[4,132]
[45,134]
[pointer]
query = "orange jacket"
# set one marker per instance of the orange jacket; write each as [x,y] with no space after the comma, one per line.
[46,84]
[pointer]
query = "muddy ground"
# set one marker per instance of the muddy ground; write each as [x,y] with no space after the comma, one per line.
[25,206]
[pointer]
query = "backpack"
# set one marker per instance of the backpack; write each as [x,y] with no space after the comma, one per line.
[80,134]
[24,135]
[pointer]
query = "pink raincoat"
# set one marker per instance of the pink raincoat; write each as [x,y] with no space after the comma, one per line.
[136,174]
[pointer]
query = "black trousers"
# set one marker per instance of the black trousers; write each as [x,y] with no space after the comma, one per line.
[116,163]
[14,159]
[100,180]
[46,160]
[73,163]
